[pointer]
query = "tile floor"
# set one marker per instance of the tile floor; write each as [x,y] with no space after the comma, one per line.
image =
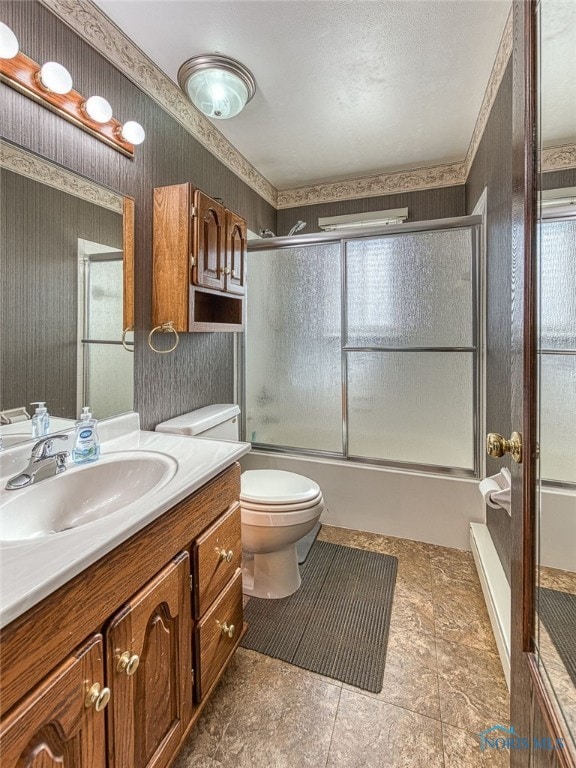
[443,684]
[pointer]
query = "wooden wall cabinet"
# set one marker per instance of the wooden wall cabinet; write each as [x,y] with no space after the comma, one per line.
[199,262]
[144,650]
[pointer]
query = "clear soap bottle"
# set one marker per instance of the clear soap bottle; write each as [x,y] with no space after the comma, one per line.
[40,420]
[86,440]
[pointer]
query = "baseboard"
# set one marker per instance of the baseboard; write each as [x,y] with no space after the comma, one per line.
[495,588]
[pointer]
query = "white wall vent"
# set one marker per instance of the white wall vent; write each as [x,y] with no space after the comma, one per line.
[368,219]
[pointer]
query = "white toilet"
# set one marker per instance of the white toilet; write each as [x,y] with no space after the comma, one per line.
[277,508]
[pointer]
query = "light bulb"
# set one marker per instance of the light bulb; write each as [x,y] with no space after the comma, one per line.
[56,78]
[9,45]
[217,93]
[98,109]
[133,132]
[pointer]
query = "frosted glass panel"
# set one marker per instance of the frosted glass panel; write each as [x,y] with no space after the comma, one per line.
[293,357]
[410,290]
[558,417]
[109,380]
[558,284]
[411,407]
[105,300]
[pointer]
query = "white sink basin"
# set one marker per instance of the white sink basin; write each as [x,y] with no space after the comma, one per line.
[82,494]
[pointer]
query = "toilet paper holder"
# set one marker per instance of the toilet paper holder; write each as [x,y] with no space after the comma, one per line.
[497,490]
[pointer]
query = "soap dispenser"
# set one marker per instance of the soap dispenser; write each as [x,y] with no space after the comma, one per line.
[86,441]
[40,420]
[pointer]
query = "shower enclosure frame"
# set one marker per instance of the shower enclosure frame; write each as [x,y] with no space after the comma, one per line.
[474,223]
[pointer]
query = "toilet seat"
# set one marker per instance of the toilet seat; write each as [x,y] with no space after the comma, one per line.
[275,508]
[272,519]
[271,487]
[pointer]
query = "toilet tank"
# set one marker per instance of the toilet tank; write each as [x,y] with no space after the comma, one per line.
[220,422]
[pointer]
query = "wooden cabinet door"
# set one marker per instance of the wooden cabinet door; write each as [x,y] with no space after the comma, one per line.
[209,228]
[236,238]
[152,696]
[53,727]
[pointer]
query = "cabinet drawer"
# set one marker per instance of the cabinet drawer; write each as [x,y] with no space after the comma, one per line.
[217,554]
[213,641]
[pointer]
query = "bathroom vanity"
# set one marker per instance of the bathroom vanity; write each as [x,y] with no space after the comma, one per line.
[113,668]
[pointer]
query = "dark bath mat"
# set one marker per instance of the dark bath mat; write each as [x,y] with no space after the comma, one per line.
[303,546]
[558,612]
[337,623]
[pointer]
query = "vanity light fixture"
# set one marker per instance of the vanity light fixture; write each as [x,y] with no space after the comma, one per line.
[55,78]
[98,109]
[9,45]
[133,132]
[218,86]
[51,86]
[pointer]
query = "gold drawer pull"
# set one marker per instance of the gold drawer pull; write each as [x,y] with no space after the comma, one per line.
[128,662]
[97,698]
[225,555]
[225,628]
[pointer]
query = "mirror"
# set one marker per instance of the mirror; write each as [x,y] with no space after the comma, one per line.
[67,254]
[556,260]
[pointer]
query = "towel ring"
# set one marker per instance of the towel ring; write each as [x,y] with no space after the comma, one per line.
[164,328]
[124,332]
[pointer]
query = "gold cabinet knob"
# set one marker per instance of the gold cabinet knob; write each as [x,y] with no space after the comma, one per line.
[97,697]
[128,662]
[225,555]
[226,629]
[225,270]
[497,446]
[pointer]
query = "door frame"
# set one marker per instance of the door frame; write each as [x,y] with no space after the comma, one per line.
[531,704]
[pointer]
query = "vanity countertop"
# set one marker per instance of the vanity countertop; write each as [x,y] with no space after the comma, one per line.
[31,569]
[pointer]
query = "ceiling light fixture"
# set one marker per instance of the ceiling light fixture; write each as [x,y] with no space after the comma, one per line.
[218,86]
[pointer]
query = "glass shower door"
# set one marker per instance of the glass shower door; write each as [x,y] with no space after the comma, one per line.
[410,348]
[293,357]
[107,376]
[366,348]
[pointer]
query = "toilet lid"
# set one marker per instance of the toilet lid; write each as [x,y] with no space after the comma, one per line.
[274,486]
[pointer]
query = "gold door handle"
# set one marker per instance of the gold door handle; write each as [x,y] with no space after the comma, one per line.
[226,629]
[226,555]
[97,697]
[128,662]
[497,446]
[225,270]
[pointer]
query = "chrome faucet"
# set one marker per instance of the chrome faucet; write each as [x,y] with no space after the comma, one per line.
[42,464]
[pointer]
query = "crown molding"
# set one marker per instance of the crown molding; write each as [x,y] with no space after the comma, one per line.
[396,182]
[93,26]
[18,160]
[558,158]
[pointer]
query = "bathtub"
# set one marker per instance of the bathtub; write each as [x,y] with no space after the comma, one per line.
[437,509]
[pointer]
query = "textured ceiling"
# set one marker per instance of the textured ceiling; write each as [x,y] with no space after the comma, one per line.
[345,88]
